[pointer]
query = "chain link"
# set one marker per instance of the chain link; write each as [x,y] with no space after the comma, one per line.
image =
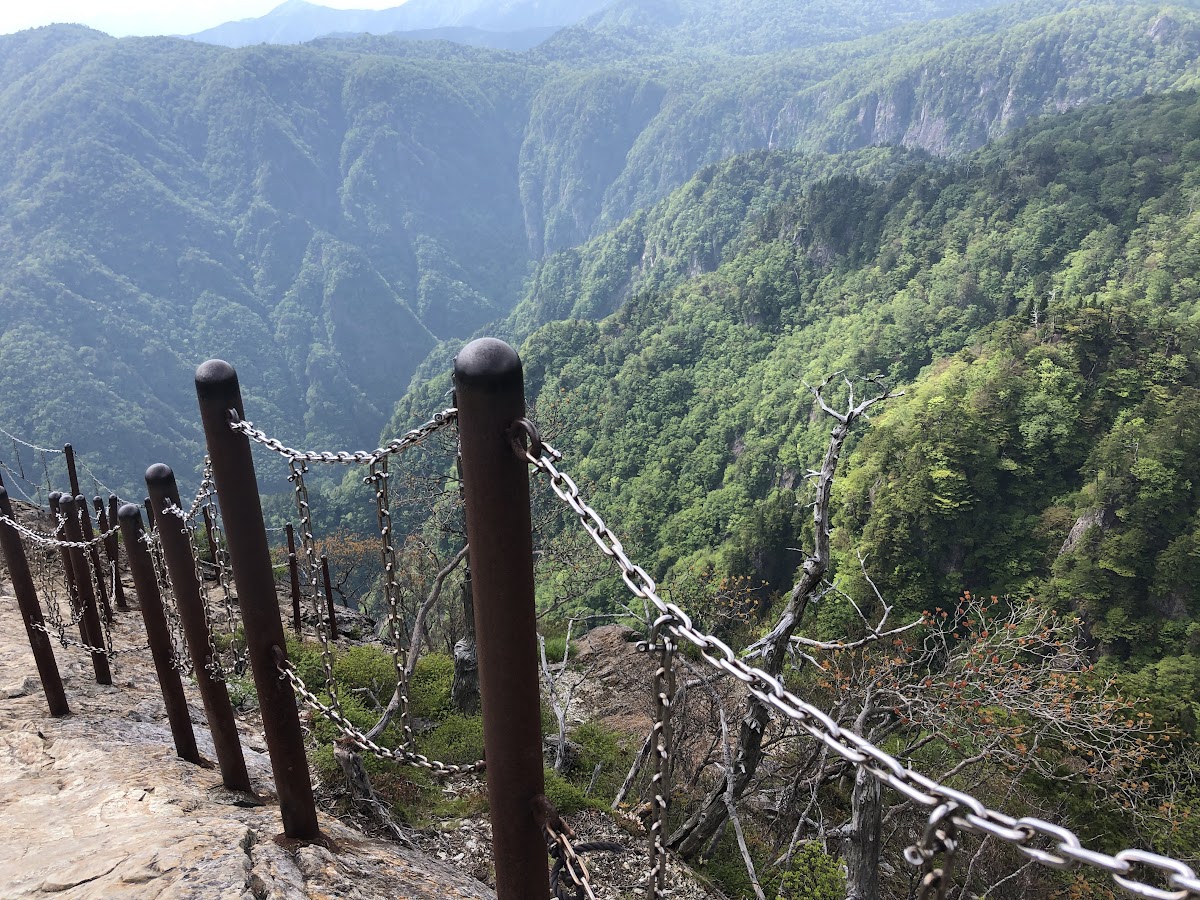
[297,468]
[15,439]
[356,737]
[378,479]
[576,868]
[969,813]
[47,540]
[356,457]
[660,782]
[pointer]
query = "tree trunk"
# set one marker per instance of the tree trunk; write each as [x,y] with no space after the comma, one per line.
[861,848]
[464,691]
[706,821]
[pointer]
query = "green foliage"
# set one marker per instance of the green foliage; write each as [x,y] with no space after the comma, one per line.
[456,740]
[429,687]
[567,797]
[814,875]
[610,750]
[366,667]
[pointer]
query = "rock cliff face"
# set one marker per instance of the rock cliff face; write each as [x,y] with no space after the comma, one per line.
[97,805]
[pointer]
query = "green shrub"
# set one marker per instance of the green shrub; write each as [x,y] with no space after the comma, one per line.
[556,646]
[366,668]
[566,797]
[814,875]
[305,657]
[600,746]
[457,741]
[429,688]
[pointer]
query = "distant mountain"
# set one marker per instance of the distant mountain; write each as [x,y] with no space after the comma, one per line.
[327,215]
[297,21]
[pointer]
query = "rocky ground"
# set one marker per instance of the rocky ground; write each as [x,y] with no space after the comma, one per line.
[96,804]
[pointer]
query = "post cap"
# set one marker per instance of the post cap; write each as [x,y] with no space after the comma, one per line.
[489,364]
[215,378]
[130,511]
[160,473]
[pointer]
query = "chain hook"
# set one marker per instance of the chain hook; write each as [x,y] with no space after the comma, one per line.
[523,428]
[940,837]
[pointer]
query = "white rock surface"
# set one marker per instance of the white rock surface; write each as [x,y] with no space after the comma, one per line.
[97,805]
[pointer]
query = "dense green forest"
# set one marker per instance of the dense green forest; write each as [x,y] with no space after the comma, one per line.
[686,214]
[325,216]
[1038,297]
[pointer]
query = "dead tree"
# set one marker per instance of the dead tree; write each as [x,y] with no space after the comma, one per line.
[699,829]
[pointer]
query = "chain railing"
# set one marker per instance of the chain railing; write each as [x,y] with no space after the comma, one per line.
[1043,842]
[355,735]
[49,540]
[344,457]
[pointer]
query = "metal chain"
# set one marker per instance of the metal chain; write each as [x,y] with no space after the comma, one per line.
[348,730]
[15,482]
[221,559]
[1063,849]
[49,541]
[108,651]
[297,468]
[206,489]
[662,738]
[576,868]
[17,440]
[356,457]
[181,660]
[387,551]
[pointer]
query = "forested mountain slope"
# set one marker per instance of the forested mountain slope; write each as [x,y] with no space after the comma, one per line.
[1039,298]
[325,215]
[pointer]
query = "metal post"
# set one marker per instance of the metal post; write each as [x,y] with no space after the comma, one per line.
[181,566]
[111,543]
[333,632]
[294,579]
[93,552]
[72,475]
[146,583]
[149,507]
[94,632]
[218,392]
[31,611]
[489,386]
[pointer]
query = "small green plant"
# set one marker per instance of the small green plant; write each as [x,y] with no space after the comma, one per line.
[814,875]
[556,647]
[600,746]
[366,669]
[457,741]
[568,798]
[429,688]
[242,693]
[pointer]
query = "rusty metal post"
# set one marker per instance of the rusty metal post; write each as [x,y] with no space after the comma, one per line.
[93,552]
[72,475]
[110,549]
[146,584]
[181,566]
[333,631]
[218,392]
[31,611]
[294,580]
[94,632]
[489,385]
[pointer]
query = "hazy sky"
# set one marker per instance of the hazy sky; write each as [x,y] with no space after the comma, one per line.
[122,17]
